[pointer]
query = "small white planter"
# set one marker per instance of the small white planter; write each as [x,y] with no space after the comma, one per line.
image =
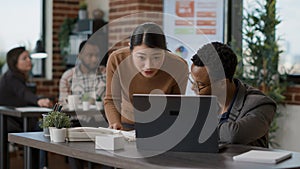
[99,105]
[85,105]
[57,135]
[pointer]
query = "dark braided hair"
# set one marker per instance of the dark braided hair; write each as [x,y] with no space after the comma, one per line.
[207,55]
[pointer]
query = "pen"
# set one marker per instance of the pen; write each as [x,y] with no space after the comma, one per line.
[59,107]
[55,107]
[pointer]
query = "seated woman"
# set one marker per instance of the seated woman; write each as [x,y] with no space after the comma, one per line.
[13,89]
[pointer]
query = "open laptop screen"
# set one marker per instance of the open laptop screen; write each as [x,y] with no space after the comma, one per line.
[176,122]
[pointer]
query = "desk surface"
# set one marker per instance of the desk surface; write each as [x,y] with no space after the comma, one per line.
[6,112]
[87,151]
[11,111]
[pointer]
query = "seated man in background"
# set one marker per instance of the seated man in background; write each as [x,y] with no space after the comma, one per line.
[246,113]
[86,77]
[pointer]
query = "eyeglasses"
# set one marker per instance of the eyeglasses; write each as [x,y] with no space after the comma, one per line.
[197,86]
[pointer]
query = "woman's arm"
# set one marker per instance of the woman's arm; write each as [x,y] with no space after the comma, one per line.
[112,100]
[21,91]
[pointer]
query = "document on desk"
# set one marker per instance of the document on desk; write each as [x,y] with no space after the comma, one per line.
[33,109]
[89,133]
[259,156]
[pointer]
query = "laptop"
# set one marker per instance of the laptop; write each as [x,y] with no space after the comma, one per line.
[176,123]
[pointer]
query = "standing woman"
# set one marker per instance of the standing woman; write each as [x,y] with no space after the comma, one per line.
[13,89]
[145,67]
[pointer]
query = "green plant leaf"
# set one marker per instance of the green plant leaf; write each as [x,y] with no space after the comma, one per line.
[56,119]
[261,55]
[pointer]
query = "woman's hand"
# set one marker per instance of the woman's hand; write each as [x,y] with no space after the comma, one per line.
[117,126]
[44,103]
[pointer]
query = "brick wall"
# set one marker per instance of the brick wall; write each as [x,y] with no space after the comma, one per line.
[121,25]
[124,16]
[292,95]
[61,10]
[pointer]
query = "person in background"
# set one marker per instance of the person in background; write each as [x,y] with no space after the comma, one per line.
[145,67]
[246,113]
[85,77]
[14,91]
[89,76]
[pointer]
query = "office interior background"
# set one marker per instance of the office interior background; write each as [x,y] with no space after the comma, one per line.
[25,22]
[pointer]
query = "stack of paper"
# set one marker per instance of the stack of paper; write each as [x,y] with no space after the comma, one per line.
[259,156]
[33,109]
[90,133]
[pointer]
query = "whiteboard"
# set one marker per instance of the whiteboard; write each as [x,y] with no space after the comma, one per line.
[189,24]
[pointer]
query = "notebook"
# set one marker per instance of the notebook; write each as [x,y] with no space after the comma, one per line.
[259,156]
[176,123]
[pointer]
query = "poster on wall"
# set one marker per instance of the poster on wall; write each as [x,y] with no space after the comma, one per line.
[193,22]
[189,24]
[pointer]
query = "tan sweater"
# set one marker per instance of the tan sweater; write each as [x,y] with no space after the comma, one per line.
[124,80]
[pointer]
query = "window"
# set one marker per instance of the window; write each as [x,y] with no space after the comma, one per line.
[22,25]
[287,32]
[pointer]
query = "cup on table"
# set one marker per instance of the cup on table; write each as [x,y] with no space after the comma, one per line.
[46,129]
[85,105]
[73,101]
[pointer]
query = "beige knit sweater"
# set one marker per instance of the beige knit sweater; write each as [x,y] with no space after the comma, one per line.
[124,80]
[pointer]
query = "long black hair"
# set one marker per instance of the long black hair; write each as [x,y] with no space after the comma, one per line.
[149,34]
[12,57]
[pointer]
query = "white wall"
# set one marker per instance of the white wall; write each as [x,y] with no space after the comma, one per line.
[288,135]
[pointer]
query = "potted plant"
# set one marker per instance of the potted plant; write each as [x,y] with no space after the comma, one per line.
[57,122]
[65,31]
[82,13]
[260,55]
[85,101]
[99,103]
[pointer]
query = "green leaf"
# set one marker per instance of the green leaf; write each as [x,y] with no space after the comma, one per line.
[260,55]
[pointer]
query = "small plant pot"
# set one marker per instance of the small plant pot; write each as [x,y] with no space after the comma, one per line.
[99,105]
[57,135]
[85,105]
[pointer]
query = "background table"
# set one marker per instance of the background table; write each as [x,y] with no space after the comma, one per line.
[25,115]
[87,151]
[4,113]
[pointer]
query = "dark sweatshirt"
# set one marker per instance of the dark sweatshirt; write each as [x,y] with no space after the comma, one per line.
[14,92]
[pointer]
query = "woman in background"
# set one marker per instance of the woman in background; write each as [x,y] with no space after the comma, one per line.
[15,93]
[13,89]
